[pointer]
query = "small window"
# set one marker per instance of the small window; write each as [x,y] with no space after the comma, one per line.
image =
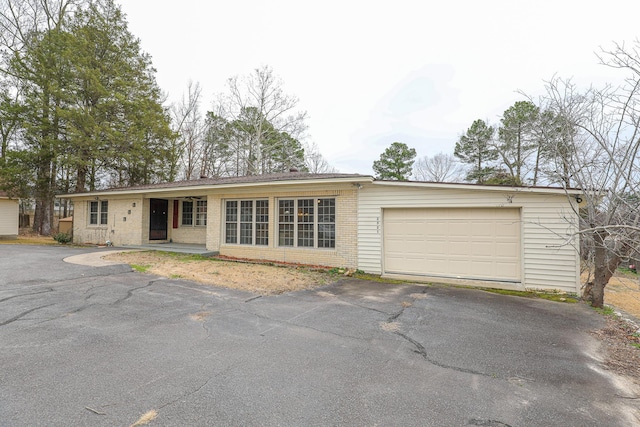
[201,212]
[98,212]
[187,213]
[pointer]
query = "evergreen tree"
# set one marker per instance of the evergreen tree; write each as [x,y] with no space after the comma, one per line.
[474,148]
[86,105]
[517,139]
[396,162]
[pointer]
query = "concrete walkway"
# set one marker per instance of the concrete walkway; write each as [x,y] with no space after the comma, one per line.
[95,259]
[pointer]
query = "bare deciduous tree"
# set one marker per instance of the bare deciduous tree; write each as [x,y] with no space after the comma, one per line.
[314,161]
[439,168]
[189,125]
[602,128]
[263,121]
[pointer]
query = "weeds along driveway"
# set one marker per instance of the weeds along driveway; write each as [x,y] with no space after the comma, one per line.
[102,346]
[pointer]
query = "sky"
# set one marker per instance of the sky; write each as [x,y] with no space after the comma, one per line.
[369,73]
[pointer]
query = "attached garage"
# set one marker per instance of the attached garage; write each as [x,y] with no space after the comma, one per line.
[8,217]
[475,243]
[492,236]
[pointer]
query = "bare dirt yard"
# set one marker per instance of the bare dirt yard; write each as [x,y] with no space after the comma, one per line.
[258,278]
[623,292]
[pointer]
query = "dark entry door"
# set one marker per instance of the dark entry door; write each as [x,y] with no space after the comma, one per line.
[158,219]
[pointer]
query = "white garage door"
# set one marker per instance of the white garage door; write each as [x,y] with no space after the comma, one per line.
[481,244]
[8,217]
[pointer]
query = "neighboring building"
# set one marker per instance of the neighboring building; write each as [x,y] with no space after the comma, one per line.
[494,236]
[9,213]
[65,225]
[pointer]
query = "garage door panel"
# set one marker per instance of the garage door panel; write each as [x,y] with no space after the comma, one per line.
[507,250]
[467,243]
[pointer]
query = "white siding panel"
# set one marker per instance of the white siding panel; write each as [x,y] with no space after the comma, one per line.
[549,259]
[8,217]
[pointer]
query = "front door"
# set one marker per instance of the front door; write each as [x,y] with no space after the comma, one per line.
[158,219]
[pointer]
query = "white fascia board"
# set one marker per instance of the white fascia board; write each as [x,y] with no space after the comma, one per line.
[175,191]
[450,186]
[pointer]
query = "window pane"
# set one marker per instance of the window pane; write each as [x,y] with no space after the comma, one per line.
[246,222]
[286,216]
[305,211]
[93,213]
[246,211]
[231,233]
[327,210]
[232,211]
[326,236]
[201,212]
[285,234]
[187,213]
[305,235]
[231,216]
[262,222]
[262,211]
[286,211]
[104,212]
[246,233]
[262,234]
[326,223]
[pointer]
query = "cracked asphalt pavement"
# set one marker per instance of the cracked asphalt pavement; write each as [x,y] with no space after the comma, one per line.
[100,346]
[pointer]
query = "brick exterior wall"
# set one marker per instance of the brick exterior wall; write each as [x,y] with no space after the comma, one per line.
[123,222]
[134,230]
[343,255]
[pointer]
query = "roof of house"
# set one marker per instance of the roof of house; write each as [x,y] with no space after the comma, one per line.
[300,178]
[236,180]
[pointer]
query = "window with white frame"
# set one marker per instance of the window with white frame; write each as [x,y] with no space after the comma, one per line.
[187,212]
[201,212]
[193,213]
[247,222]
[307,223]
[98,212]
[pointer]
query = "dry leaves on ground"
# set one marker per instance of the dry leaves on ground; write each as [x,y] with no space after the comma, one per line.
[618,338]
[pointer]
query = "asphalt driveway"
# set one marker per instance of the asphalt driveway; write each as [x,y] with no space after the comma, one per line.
[101,346]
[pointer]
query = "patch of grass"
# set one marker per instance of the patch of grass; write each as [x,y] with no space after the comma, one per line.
[635,344]
[141,268]
[606,310]
[551,296]
[24,240]
[377,278]
[178,256]
[627,271]
[175,276]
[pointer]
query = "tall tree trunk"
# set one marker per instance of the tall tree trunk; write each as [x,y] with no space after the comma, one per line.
[604,267]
